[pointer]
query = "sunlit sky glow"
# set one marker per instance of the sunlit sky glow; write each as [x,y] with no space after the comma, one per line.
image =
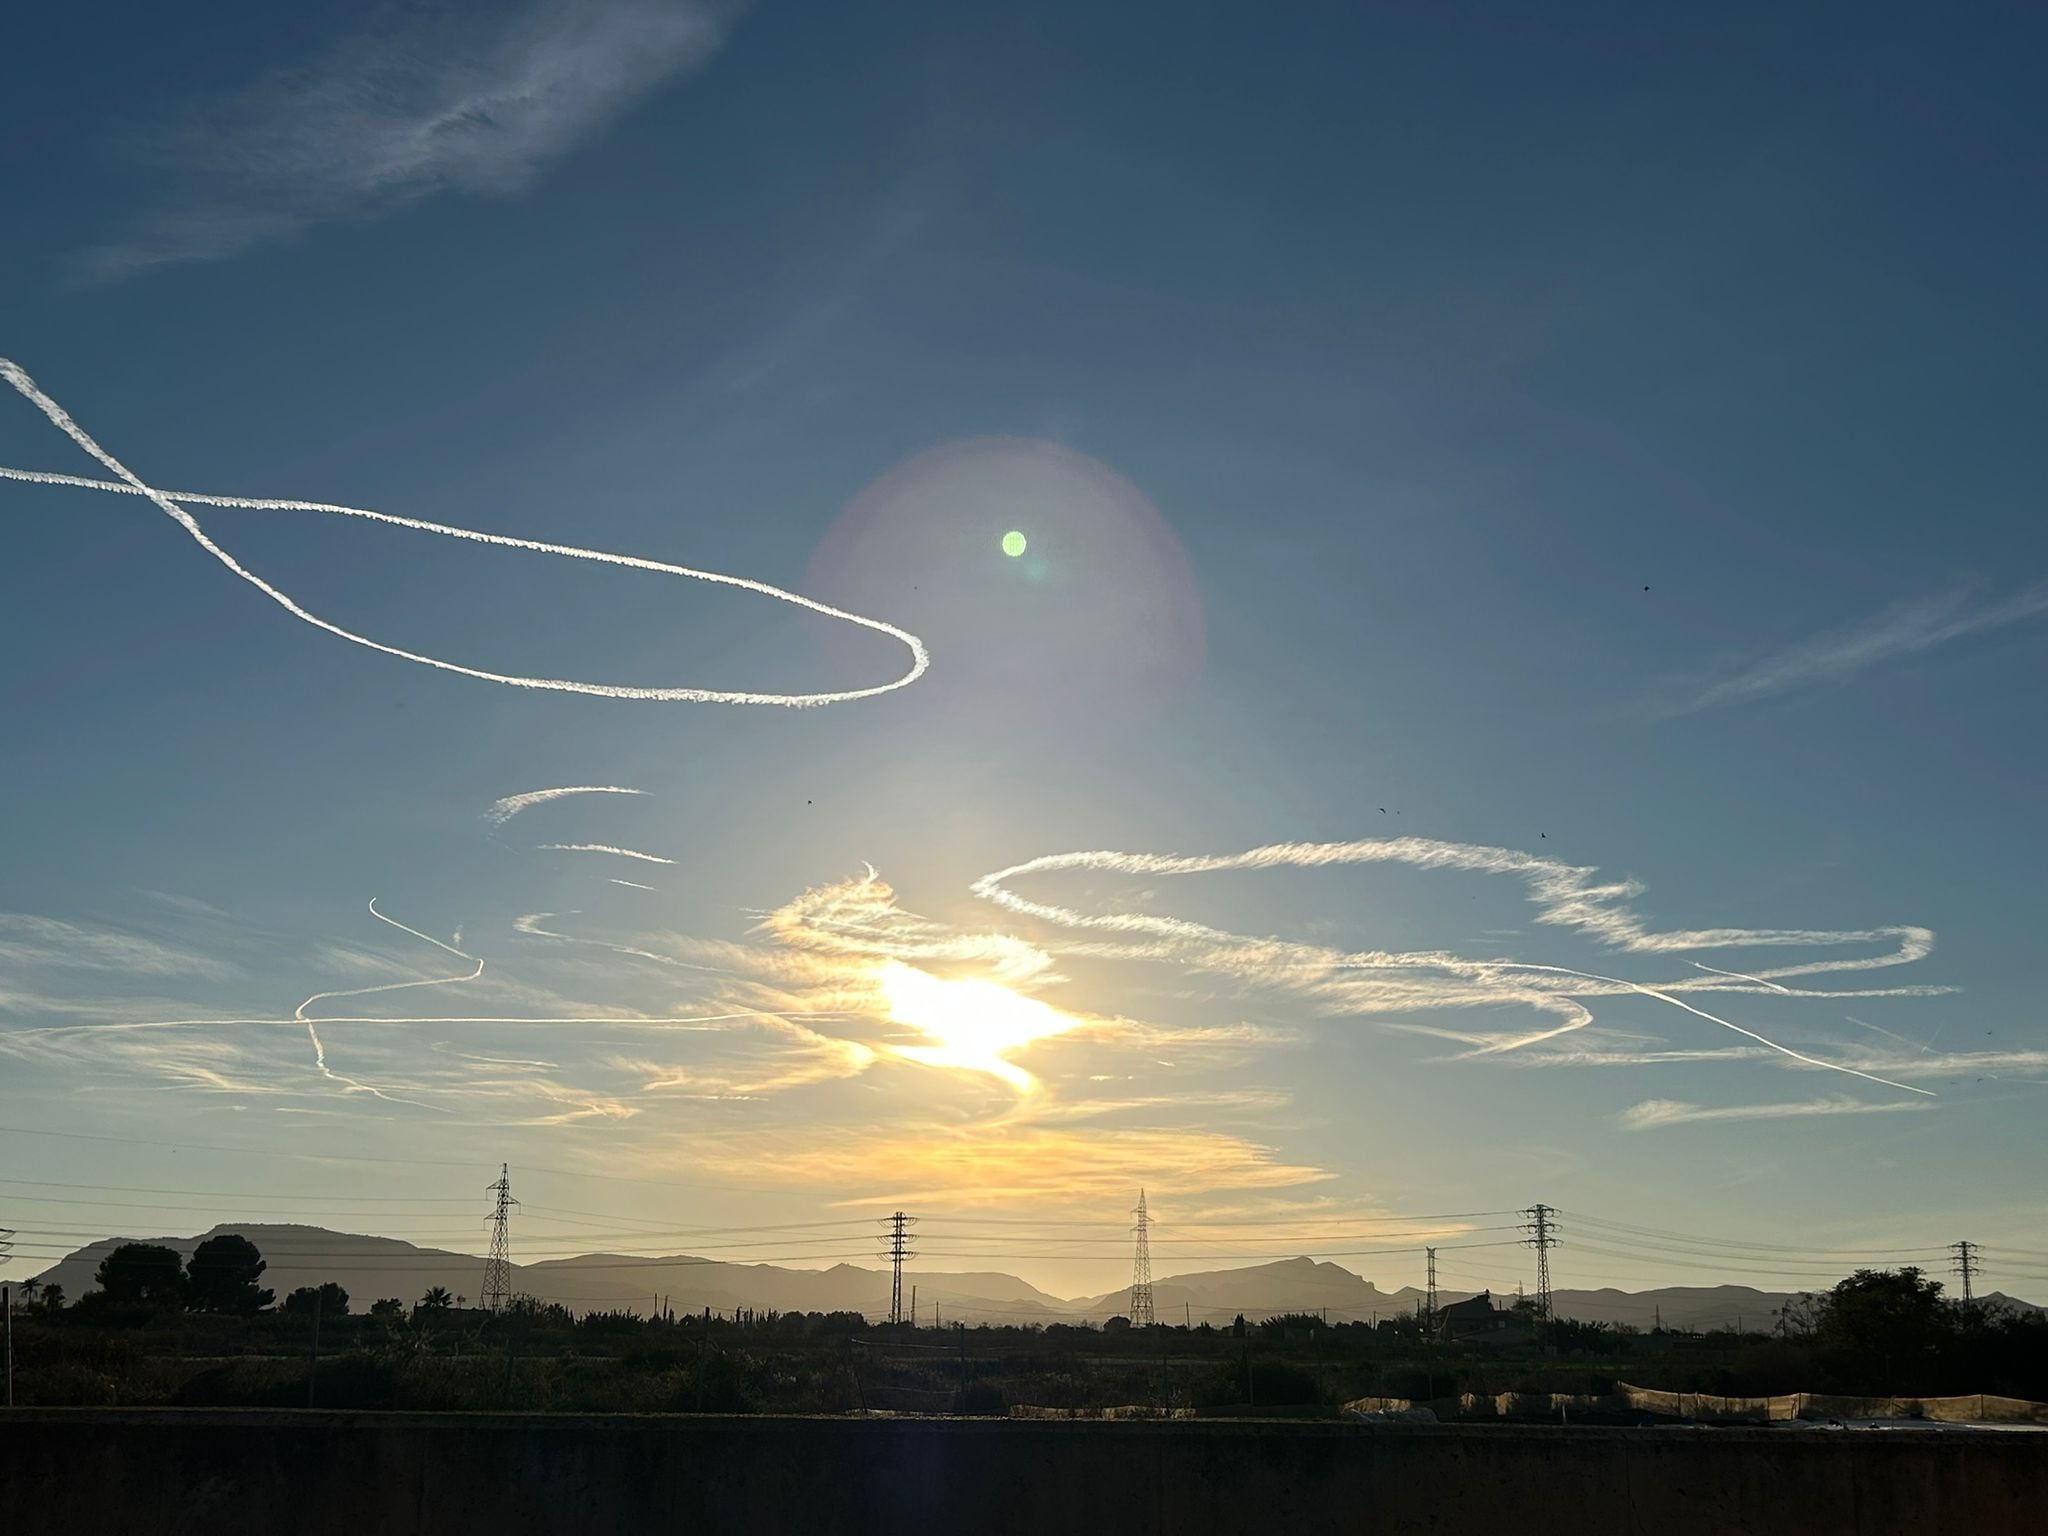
[1485,616]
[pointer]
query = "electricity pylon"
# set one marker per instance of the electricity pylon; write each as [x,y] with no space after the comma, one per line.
[1141,1269]
[1542,1230]
[498,1267]
[896,1248]
[1965,1265]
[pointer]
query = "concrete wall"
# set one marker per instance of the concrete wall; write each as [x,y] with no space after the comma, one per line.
[81,1472]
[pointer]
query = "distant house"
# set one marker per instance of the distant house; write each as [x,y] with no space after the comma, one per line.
[1474,1315]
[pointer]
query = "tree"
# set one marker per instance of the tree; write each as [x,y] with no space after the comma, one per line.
[437,1300]
[223,1274]
[1884,1330]
[142,1275]
[53,1299]
[28,1292]
[390,1308]
[330,1299]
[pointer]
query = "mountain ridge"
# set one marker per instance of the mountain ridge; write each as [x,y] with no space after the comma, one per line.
[371,1267]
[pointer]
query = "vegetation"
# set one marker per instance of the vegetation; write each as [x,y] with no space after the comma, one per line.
[149,1335]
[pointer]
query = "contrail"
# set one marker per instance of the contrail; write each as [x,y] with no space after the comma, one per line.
[1565,895]
[313,1035]
[624,853]
[631,885]
[504,810]
[1740,976]
[127,483]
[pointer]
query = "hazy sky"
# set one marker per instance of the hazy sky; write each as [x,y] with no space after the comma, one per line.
[1579,468]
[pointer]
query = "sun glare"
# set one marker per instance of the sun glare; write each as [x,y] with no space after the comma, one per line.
[972,1024]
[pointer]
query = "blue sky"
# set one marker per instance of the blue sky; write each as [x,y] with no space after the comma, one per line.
[1602,441]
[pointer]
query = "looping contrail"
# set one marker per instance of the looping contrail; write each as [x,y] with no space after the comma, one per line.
[170,503]
[1565,895]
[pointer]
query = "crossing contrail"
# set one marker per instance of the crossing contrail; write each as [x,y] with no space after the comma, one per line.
[319,1046]
[1565,895]
[173,505]
[504,810]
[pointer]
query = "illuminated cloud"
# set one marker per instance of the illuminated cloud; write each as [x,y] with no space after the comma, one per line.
[1005,1162]
[1379,982]
[174,506]
[1653,1114]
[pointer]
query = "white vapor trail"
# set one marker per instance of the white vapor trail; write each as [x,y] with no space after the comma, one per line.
[504,810]
[170,503]
[313,1034]
[1565,895]
[624,853]
[1740,976]
[631,885]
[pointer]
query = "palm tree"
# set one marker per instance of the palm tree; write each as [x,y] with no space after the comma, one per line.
[28,1292]
[436,1300]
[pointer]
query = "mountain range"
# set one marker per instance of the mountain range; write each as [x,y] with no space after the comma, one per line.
[373,1267]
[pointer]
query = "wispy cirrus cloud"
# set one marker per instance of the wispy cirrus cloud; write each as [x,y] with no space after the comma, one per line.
[1906,629]
[425,100]
[27,940]
[1653,1114]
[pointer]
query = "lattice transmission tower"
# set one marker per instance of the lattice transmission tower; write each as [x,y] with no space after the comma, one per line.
[497,1295]
[1429,1294]
[1141,1269]
[896,1249]
[1966,1265]
[1542,1229]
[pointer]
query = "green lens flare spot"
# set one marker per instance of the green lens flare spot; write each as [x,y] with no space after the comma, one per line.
[1014,544]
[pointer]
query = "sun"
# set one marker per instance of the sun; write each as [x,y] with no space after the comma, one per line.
[972,1024]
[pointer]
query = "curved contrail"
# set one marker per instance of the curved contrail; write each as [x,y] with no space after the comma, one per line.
[1565,895]
[504,810]
[126,483]
[300,1015]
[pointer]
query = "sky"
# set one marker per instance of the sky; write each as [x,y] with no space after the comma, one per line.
[1520,679]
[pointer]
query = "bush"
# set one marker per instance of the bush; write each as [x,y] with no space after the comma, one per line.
[1274,1384]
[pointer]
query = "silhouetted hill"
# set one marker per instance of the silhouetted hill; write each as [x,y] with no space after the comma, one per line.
[373,1267]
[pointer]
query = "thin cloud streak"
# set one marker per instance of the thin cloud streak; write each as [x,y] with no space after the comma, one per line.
[504,810]
[27,940]
[1654,1114]
[431,100]
[624,853]
[1904,630]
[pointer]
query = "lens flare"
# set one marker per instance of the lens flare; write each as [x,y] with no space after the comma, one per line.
[1014,544]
